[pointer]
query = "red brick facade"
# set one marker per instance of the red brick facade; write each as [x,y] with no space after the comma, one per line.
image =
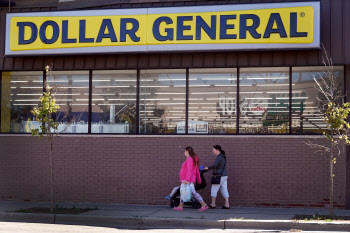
[263,170]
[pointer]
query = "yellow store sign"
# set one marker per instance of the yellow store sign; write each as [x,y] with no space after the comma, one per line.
[221,27]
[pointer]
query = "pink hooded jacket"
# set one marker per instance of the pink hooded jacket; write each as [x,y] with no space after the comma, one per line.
[188,172]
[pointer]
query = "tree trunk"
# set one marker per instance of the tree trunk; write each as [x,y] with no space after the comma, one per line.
[51,180]
[331,164]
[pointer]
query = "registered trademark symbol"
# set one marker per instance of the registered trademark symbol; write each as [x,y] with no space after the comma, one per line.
[302,14]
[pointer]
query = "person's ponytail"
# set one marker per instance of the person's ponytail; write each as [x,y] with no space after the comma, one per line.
[218,147]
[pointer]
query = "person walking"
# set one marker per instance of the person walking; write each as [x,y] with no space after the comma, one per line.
[219,167]
[188,174]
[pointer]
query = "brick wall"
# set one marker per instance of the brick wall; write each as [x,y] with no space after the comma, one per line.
[263,170]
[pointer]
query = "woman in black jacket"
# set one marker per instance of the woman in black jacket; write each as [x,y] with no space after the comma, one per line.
[219,167]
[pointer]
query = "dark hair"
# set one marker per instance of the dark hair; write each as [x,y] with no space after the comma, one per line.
[218,147]
[193,156]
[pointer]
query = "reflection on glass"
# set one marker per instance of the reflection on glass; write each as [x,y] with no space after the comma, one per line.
[306,116]
[162,101]
[212,101]
[20,94]
[264,99]
[114,101]
[71,90]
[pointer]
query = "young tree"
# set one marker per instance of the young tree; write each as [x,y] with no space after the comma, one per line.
[49,126]
[335,114]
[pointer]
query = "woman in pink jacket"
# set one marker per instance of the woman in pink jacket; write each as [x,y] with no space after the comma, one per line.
[188,174]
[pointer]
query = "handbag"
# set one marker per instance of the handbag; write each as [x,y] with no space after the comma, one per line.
[216,178]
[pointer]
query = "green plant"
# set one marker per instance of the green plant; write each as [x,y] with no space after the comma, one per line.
[48,127]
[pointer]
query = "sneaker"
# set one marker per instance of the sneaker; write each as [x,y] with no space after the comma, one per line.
[178,208]
[203,208]
[168,198]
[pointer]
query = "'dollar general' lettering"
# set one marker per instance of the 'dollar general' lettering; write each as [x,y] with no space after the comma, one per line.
[220,27]
[106,30]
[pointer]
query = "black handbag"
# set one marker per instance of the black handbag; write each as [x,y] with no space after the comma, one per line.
[216,178]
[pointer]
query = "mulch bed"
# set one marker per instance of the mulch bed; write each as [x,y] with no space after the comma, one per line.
[321,218]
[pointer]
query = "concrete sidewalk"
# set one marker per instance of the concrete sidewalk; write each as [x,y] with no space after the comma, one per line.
[145,216]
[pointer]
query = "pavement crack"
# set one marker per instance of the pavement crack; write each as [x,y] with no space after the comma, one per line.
[155,212]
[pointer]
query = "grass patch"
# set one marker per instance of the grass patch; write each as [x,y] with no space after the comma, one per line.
[317,217]
[56,210]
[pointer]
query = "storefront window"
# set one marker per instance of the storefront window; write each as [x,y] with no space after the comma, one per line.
[114,101]
[264,106]
[263,100]
[20,94]
[71,90]
[162,101]
[212,101]
[306,116]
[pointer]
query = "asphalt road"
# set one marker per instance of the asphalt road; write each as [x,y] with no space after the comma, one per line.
[15,227]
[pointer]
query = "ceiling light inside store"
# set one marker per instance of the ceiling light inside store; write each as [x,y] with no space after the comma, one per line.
[206,93]
[222,98]
[64,94]
[111,86]
[130,80]
[101,94]
[155,99]
[20,100]
[152,86]
[58,100]
[272,85]
[122,99]
[265,103]
[176,79]
[214,79]
[95,80]
[258,98]
[293,98]
[30,87]
[30,94]
[167,93]
[225,85]
[201,85]
[267,78]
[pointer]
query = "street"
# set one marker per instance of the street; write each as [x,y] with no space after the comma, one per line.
[19,227]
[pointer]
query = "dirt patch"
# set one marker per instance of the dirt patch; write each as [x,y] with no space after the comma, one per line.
[57,210]
[317,217]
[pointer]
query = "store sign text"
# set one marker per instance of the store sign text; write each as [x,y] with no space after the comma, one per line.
[287,25]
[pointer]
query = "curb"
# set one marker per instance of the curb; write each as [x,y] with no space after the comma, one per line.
[148,222]
[23,217]
[139,223]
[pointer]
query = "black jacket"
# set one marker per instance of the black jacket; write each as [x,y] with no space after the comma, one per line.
[218,165]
